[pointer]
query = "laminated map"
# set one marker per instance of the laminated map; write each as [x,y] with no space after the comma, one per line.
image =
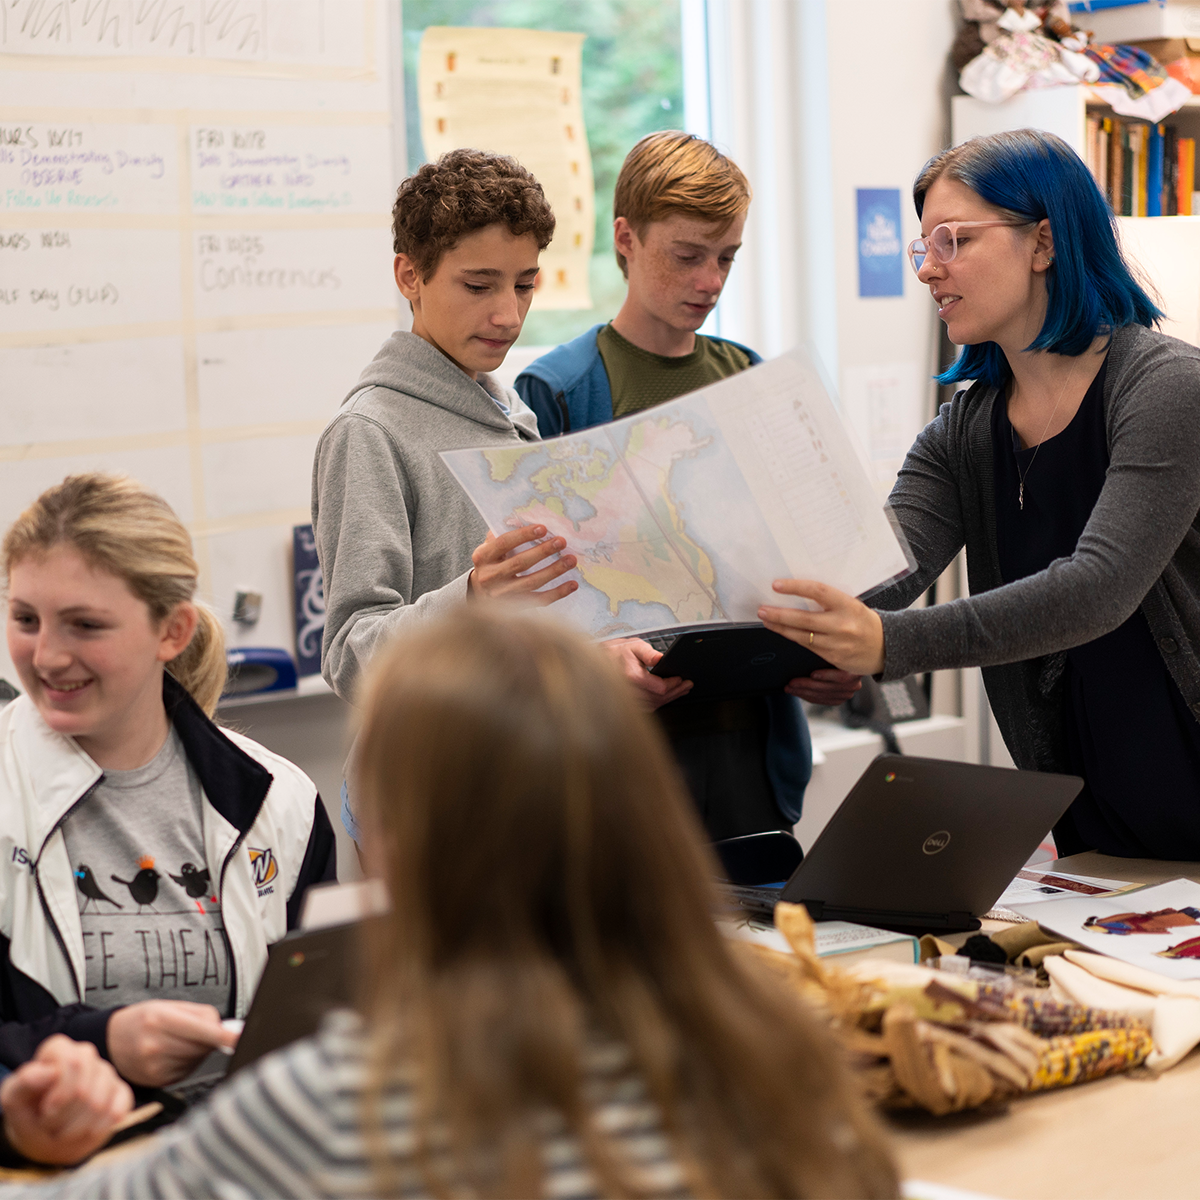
[685,513]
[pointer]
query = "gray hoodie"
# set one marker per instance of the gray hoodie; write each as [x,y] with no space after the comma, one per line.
[394,530]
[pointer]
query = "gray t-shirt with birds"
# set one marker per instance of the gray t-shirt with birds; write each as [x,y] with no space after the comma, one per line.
[152,927]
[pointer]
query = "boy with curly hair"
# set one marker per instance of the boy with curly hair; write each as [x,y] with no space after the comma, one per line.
[397,538]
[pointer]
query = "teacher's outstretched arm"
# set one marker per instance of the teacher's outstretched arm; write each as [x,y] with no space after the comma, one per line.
[843,630]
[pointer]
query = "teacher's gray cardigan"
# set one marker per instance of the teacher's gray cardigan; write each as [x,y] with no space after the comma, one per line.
[1141,547]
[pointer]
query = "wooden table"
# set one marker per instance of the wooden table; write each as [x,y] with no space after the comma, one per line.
[1125,1137]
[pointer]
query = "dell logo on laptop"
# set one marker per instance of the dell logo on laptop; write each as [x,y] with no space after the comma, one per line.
[935,843]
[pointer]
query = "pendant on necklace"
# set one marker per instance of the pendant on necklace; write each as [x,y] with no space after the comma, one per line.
[1021,495]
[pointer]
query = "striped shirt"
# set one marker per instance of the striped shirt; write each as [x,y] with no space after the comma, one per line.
[289,1126]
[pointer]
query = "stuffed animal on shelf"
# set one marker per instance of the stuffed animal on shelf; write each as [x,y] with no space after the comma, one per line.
[1002,49]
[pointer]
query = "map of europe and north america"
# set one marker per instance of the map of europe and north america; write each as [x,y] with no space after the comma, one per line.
[666,526]
[636,559]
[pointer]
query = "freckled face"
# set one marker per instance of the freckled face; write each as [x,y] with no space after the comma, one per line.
[991,290]
[678,266]
[473,305]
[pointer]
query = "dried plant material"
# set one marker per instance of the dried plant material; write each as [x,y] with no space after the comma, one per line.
[994,1061]
[946,1042]
[914,1068]
[1019,1045]
[1077,1057]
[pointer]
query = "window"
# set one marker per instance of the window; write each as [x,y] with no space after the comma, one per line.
[632,85]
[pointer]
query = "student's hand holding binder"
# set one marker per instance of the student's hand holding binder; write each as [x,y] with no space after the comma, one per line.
[635,657]
[827,688]
[157,1042]
[504,571]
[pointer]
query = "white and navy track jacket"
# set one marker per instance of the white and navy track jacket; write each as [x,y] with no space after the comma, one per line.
[266,839]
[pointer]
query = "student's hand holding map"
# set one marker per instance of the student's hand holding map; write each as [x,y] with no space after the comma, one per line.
[684,514]
[502,572]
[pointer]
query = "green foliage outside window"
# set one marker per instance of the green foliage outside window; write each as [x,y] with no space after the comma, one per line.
[632,85]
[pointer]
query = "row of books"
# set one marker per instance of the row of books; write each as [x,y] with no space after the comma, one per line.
[1144,170]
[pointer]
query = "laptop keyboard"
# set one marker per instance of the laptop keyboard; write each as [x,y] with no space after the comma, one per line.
[662,642]
[759,900]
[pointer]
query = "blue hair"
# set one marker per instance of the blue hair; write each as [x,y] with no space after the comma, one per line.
[1034,176]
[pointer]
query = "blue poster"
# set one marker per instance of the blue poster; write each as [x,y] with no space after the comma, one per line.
[880,255]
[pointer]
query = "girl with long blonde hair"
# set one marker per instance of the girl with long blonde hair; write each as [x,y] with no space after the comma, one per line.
[550,1009]
[147,858]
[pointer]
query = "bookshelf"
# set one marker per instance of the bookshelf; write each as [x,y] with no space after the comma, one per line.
[1060,110]
[1167,249]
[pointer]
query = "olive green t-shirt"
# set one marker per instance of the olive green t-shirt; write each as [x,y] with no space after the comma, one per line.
[639,379]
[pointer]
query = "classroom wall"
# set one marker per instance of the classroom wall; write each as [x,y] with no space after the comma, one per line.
[815,98]
[852,94]
[888,114]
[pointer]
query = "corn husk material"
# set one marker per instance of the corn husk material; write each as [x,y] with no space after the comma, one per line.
[930,1039]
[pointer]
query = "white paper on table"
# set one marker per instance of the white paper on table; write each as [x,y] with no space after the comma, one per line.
[686,513]
[1067,916]
[1032,885]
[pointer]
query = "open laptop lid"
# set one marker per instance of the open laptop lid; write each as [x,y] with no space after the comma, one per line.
[921,842]
[307,974]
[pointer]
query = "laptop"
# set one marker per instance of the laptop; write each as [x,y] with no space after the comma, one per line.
[308,974]
[919,845]
[725,661]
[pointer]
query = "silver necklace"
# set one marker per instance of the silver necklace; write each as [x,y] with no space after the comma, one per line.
[1022,475]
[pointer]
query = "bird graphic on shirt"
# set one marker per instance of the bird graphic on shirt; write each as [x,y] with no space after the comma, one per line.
[92,894]
[143,887]
[195,883]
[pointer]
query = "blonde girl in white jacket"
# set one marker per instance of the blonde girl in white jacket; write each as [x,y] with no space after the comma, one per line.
[147,858]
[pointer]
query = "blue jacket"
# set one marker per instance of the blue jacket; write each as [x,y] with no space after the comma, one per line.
[568,389]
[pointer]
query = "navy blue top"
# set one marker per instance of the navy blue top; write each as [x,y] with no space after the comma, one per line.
[1129,732]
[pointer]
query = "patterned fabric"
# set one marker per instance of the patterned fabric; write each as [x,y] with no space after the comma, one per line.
[1135,70]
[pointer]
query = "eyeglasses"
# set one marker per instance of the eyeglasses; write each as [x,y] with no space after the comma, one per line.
[942,240]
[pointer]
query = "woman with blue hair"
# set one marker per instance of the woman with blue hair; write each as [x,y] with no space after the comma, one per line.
[1070,470]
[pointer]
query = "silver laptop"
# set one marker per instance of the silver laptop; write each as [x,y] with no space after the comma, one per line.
[920,844]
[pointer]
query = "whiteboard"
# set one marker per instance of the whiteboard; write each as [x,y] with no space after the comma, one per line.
[195,258]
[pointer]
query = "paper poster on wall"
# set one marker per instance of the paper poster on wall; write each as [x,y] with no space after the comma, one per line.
[886,406]
[195,260]
[304,34]
[517,92]
[880,254]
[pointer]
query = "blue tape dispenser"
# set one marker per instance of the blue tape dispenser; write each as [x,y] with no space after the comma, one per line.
[254,669]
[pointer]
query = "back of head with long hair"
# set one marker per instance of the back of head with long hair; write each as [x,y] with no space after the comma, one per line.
[548,885]
[121,527]
[1030,176]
